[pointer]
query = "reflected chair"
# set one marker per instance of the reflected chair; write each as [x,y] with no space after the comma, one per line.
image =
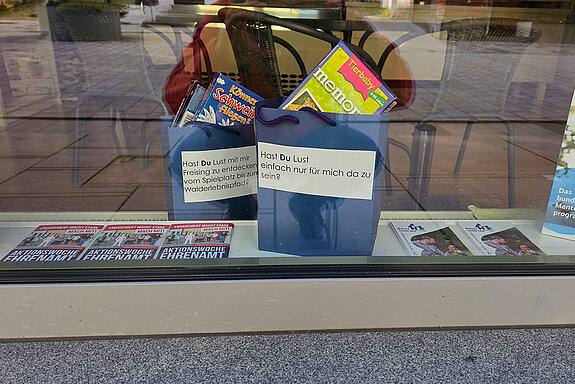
[253,43]
[117,88]
[480,61]
[158,73]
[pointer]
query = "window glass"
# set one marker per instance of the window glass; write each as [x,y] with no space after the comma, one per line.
[106,137]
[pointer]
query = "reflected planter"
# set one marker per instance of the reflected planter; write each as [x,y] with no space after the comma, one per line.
[86,24]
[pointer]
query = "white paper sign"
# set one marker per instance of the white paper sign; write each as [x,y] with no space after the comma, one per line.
[315,171]
[219,174]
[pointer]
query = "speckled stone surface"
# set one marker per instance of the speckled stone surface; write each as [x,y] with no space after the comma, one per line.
[544,355]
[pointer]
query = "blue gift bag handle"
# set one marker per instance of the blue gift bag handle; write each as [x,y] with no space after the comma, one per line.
[294,119]
[291,118]
[207,127]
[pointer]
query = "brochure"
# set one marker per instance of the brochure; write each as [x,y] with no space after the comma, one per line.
[429,238]
[189,105]
[126,242]
[225,102]
[54,243]
[196,241]
[499,238]
[560,214]
[342,83]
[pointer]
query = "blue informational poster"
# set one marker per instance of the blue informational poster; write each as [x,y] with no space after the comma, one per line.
[560,214]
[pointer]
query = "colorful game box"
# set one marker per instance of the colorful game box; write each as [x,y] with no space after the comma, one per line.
[342,83]
[227,103]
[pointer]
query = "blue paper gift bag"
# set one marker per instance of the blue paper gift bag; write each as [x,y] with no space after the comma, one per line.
[193,154]
[320,179]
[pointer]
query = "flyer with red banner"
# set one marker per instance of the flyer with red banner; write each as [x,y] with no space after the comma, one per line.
[126,242]
[197,241]
[54,243]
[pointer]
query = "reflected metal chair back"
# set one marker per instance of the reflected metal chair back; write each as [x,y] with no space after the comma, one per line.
[480,61]
[253,43]
[117,88]
[253,46]
[117,69]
